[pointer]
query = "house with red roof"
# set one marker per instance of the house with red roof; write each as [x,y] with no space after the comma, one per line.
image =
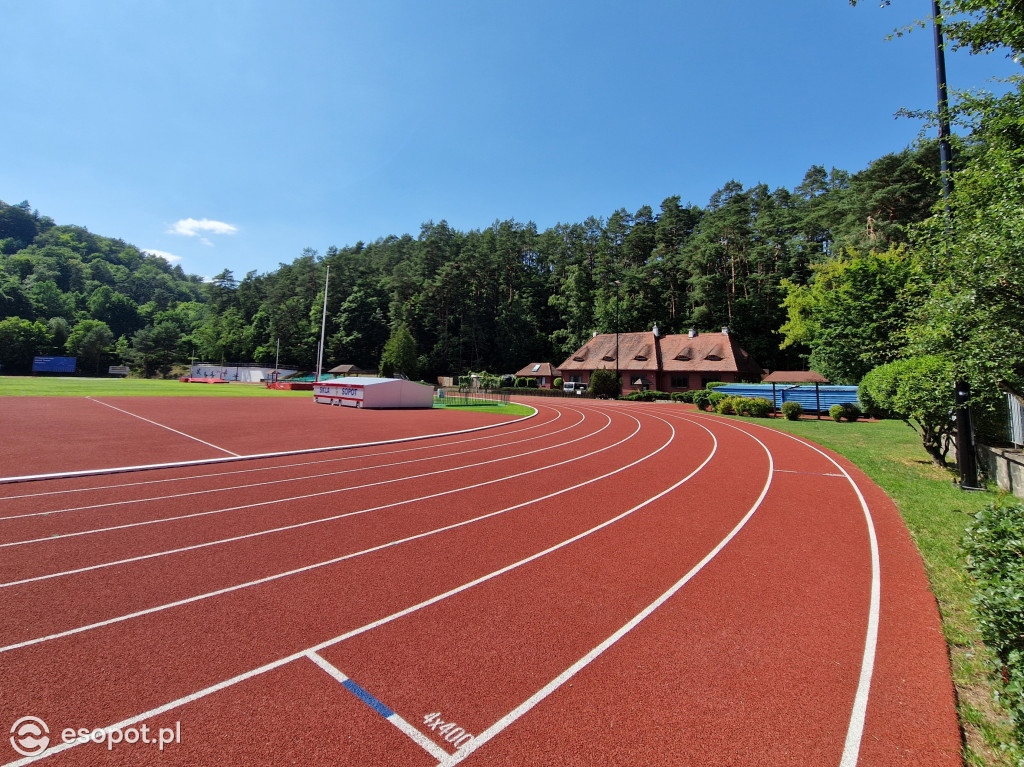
[663,363]
[544,372]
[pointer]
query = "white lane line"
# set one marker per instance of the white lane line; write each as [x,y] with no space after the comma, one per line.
[569,673]
[287,499]
[190,477]
[335,560]
[252,457]
[858,712]
[186,494]
[390,618]
[407,729]
[316,521]
[163,426]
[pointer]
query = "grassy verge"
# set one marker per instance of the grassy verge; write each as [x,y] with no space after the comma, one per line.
[936,513]
[510,409]
[31,386]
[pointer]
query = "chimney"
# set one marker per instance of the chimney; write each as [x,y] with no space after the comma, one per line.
[595,334]
[655,330]
[693,333]
[725,331]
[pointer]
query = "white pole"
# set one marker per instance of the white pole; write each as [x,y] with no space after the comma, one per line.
[323,328]
[277,361]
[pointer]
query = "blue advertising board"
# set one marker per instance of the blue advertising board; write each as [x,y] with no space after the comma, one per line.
[54,364]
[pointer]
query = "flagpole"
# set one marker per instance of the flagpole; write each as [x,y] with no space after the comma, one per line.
[323,328]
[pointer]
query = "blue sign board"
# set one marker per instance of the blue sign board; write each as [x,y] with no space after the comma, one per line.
[54,364]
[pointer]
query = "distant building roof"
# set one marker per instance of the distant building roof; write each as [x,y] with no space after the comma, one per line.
[538,369]
[701,352]
[349,370]
[794,377]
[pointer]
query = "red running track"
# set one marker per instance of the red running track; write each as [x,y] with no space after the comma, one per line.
[603,583]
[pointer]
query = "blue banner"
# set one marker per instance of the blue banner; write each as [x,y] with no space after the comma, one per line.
[54,364]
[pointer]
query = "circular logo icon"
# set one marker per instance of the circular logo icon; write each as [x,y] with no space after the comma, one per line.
[30,736]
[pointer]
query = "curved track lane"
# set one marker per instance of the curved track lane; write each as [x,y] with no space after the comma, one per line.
[605,583]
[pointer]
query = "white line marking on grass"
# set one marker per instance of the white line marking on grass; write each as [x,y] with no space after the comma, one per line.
[344,557]
[214,474]
[394,616]
[255,456]
[587,659]
[180,517]
[265,483]
[163,426]
[349,684]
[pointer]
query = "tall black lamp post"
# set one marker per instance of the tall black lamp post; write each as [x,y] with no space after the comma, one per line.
[966,457]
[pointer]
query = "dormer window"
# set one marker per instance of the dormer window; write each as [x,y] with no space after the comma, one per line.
[608,358]
[579,359]
[640,357]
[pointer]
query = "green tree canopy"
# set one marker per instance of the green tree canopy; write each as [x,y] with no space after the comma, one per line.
[400,354]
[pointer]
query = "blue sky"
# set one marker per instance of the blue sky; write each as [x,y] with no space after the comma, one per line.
[235,133]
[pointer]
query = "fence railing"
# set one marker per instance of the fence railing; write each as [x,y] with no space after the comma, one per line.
[451,395]
[1015,419]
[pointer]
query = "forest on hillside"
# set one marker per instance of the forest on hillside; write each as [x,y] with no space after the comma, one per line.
[494,298]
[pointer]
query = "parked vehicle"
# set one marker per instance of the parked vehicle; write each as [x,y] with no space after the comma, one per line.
[574,386]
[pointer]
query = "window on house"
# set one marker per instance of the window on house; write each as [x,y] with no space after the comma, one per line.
[680,382]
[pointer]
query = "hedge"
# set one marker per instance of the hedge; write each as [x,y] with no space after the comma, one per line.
[994,544]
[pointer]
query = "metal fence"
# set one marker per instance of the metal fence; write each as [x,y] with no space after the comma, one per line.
[1015,419]
[450,395]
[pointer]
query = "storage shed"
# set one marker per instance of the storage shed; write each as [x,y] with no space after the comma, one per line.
[362,391]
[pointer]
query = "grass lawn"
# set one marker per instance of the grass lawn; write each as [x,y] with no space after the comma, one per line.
[38,386]
[510,409]
[936,513]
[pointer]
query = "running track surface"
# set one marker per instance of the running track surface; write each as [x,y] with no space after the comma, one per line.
[603,583]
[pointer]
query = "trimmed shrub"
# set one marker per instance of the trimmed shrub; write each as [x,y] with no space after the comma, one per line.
[792,410]
[604,383]
[715,397]
[702,399]
[682,396]
[557,383]
[715,384]
[919,391]
[757,407]
[531,383]
[836,413]
[726,406]
[851,411]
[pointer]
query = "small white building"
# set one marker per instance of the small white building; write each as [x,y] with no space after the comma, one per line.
[362,391]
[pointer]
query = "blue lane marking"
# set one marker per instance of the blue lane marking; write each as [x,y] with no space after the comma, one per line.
[368,699]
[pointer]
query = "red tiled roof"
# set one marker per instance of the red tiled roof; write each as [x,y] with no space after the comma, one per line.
[706,352]
[543,369]
[794,376]
[636,351]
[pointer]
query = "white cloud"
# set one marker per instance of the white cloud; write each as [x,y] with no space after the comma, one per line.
[168,257]
[191,227]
